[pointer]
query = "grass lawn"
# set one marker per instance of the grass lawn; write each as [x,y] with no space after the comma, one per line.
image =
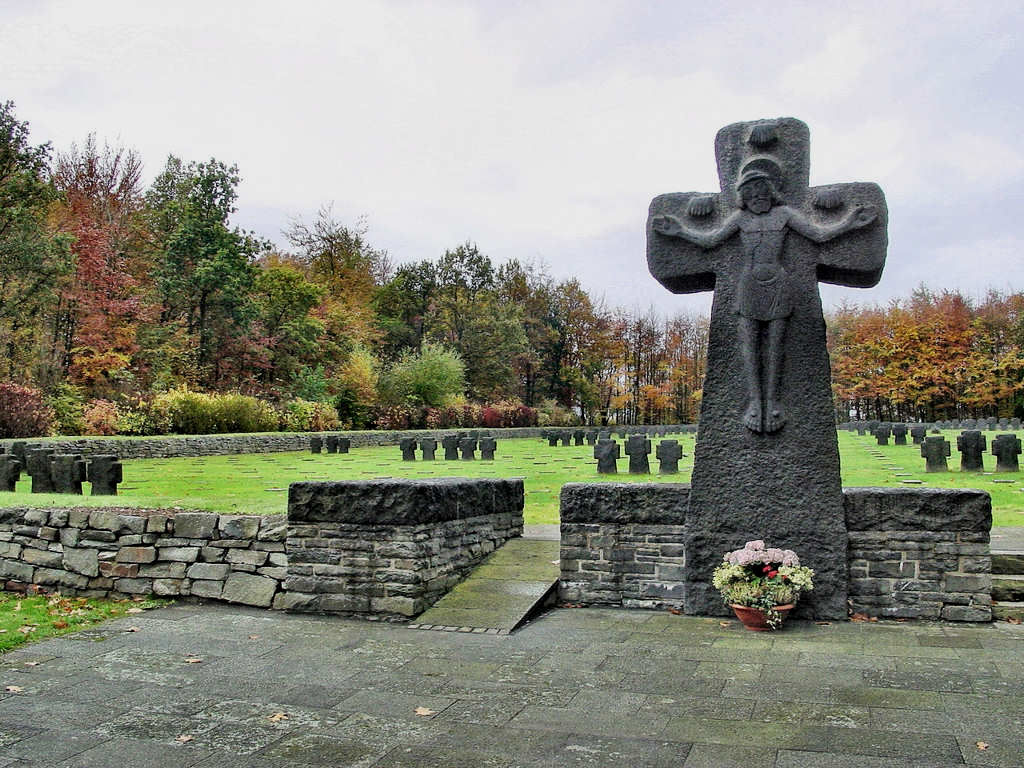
[258,484]
[25,619]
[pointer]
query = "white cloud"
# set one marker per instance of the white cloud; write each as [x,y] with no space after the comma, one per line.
[535,129]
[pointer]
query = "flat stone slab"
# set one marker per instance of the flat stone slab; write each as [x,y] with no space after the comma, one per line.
[575,687]
[501,592]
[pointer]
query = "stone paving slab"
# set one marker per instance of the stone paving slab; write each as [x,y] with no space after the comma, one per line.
[500,593]
[574,687]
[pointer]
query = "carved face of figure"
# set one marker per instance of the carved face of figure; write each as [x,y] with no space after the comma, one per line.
[757,196]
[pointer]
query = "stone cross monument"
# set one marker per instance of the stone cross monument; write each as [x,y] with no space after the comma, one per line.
[766,465]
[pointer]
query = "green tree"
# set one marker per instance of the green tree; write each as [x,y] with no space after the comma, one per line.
[428,377]
[33,256]
[285,300]
[204,270]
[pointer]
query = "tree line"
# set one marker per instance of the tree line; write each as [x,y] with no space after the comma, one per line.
[115,296]
[135,309]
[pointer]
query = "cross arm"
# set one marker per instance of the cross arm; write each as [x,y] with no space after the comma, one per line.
[680,263]
[848,256]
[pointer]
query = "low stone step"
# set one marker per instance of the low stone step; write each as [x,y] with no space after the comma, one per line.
[1004,611]
[500,594]
[1008,587]
[1007,561]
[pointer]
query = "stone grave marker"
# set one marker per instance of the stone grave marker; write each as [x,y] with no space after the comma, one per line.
[566,438]
[607,453]
[1004,423]
[918,433]
[899,434]
[971,443]
[935,449]
[450,443]
[316,444]
[767,457]
[10,471]
[882,433]
[1015,424]
[553,438]
[467,446]
[578,437]
[408,447]
[19,449]
[668,452]
[591,437]
[861,428]
[1006,448]
[638,447]
[68,472]
[40,469]
[488,445]
[604,434]
[428,445]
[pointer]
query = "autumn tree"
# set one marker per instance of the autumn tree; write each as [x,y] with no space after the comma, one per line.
[93,341]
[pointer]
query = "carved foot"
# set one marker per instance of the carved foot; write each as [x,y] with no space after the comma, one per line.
[776,417]
[752,418]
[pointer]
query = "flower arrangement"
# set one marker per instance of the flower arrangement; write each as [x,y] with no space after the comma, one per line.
[762,578]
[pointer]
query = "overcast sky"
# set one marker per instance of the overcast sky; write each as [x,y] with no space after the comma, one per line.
[542,130]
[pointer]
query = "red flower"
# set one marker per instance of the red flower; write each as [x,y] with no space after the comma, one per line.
[772,574]
[766,569]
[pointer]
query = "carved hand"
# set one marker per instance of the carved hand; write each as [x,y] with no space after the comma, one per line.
[862,215]
[665,225]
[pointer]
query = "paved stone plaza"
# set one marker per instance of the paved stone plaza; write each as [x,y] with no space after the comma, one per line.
[573,688]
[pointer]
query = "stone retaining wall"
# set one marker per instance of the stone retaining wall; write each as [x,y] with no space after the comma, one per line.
[114,553]
[912,553]
[921,553]
[170,446]
[622,544]
[391,548]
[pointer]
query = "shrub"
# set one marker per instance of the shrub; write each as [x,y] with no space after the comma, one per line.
[68,406]
[144,417]
[100,418]
[23,411]
[429,377]
[392,417]
[300,415]
[196,413]
[551,414]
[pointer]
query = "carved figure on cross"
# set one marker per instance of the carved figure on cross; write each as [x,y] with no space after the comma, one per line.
[763,301]
[765,277]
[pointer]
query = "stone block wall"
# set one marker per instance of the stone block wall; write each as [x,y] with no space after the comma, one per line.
[921,553]
[912,553]
[622,544]
[171,446]
[391,548]
[115,553]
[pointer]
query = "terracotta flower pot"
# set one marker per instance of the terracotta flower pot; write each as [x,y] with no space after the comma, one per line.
[755,620]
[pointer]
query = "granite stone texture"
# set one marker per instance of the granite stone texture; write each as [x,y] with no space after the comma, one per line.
[910,553]
[392,548]
[104,553]
[766,465]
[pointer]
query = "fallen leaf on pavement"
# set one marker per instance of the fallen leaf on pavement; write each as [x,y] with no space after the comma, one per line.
[675,611]
[277,717]
[184,738]
[14,689]
[193,660]
[134,610]
[725,623]
[424,711]
[132,629]
[31,663]
[981,745]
